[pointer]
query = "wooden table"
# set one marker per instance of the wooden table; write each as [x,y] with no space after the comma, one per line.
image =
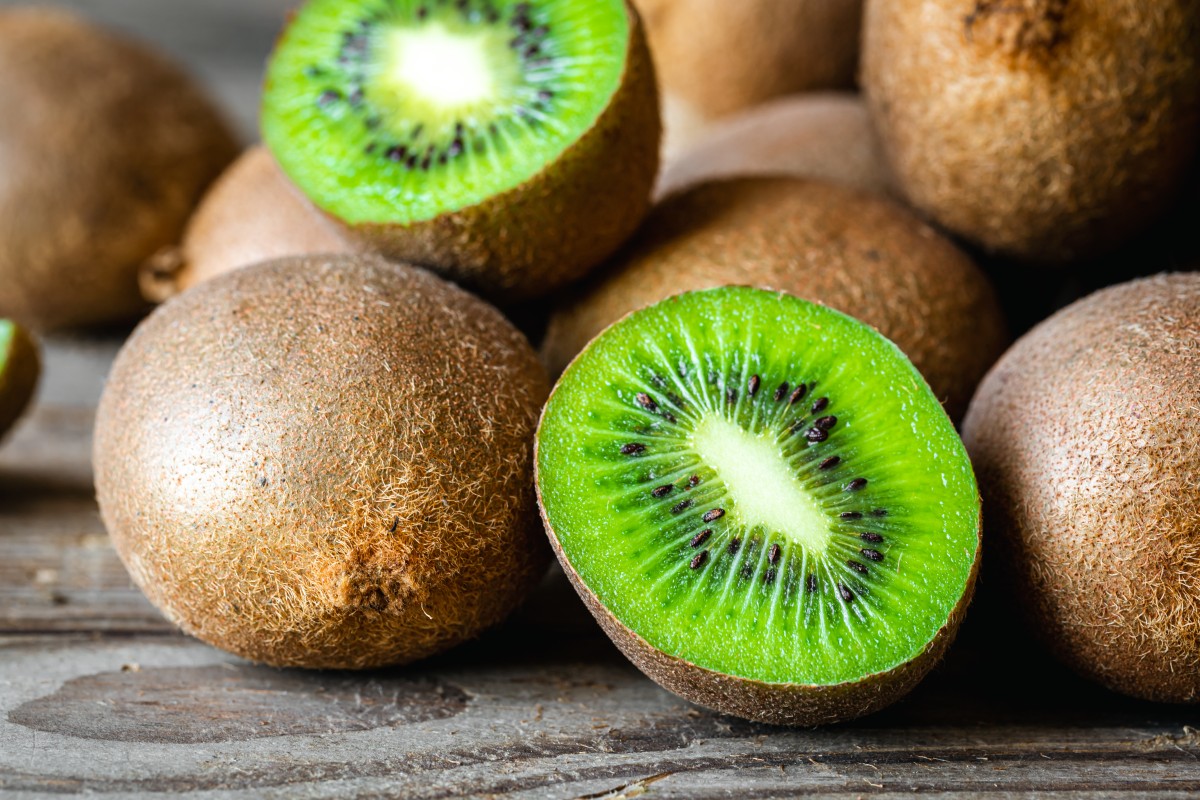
[99,694]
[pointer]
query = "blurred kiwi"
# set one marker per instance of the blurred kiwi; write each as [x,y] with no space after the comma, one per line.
[20,367]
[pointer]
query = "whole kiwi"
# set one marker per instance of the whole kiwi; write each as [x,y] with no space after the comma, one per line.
[1084,437]
[325,462]
[718,57]
[251,214]
[1044,130]
[20,367]
[855,252]
[107,148]
[827,136]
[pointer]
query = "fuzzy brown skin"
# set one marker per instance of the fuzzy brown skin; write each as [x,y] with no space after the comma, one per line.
[825,136]
[851,251]
[720,56]
[1084,439]
[325,462]
[773,703]
[20,367]
[251,214]
[112,148]
[1044,130]
[554,228]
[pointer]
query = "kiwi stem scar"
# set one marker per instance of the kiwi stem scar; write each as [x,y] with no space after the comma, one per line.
[761,484]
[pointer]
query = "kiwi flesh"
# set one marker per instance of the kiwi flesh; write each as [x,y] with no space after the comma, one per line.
[357,491]
[762,503]
[20,367]
[1043,130]
[510,146]
[250,215]
[825,136]
[715,57]
[854,252]
[110,152]
[1085,440]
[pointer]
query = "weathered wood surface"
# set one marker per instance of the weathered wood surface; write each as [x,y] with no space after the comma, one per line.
[99,695]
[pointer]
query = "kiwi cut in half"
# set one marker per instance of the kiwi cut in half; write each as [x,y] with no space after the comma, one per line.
[762,503]
[107,147]
[325,462]
[857,252]
[20,367]
[510,146]
[251,214]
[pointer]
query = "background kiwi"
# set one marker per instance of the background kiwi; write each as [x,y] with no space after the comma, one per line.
[19,370]
[716,57]
[854,252]
[827,136]
[1084,436]
[356,492]
[251,214]
[517,191]
[762,503]
[1044,130]
[110,150]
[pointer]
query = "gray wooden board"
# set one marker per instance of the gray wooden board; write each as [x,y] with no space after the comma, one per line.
[98,694]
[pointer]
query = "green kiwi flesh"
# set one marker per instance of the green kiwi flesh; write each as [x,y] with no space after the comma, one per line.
[19,370]
[325,462]
[762,502]
[403,119]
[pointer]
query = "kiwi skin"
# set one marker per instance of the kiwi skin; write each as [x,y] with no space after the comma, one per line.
[251,214]
[18,378]
[857,253]
[555,227]
[825,136]
[356,493]
[1084,440]
[776,704]
[112,149]
[1044,130]
[718,57]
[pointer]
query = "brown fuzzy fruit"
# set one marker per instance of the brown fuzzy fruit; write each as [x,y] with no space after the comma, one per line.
[823,136]
[718,56]
[1085,440]
[854,252]
[107,149]
[20,367]
[250,215]
[325,462]
[1046,130]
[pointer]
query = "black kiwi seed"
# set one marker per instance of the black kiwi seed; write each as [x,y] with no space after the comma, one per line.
[826,423]
[731,395]
[846,595]
[329,97]
[879,512]
[858,567]
[811,583]
[852,515]
[755,382]
[816,435]
[645,401]
[632,449]
[821,404]
[856,485]
[693,481]
[798,395]
[702,537]
[734,546]
[773,555]
[769,577]
[712,516]
[781,392]
[700,560]
[830,463]
[683,506]
[873,555]
[873,538]
[663,491]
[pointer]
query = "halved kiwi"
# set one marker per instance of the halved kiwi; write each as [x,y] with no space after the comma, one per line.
[762,503]
[509,145]
[19,370]
[107,147]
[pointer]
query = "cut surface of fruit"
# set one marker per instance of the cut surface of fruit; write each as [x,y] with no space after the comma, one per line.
[760,487]
[403,110]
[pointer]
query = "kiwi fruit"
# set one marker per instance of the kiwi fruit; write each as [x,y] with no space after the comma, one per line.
[852,251]
[110,152]
[251,214]
[1085,439]
[20,367]
[716,57]
[1043,130]
[325,462]
[510,146]
[762,503]
[825,136]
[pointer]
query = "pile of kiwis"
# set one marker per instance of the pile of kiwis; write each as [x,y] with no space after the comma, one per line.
[734,423]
